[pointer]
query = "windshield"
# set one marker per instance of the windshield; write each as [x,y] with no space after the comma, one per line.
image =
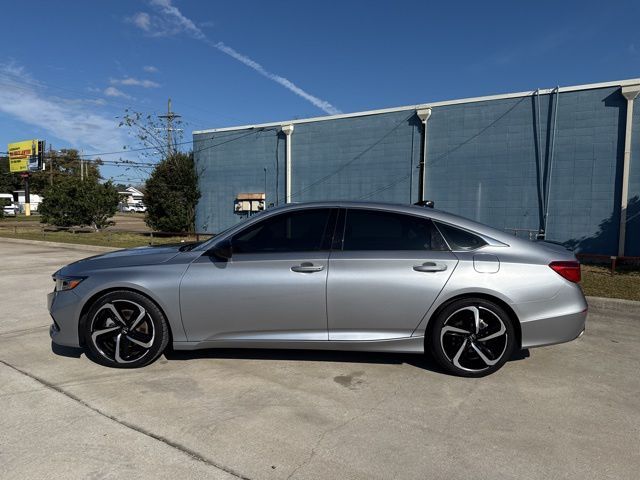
[6,202]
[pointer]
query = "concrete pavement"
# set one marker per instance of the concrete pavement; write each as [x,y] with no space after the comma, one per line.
[569,411]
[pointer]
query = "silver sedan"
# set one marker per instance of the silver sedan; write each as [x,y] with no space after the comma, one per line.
[331,275]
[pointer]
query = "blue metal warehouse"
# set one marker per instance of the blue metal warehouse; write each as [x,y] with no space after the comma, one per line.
[563,161]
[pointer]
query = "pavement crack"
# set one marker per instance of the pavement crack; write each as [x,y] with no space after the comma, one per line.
[182,448]
[23,330]
[322,436]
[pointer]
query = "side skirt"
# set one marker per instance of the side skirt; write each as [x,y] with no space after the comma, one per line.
[400,345]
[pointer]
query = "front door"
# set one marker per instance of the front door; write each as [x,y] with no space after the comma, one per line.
[273,287]
[385,274]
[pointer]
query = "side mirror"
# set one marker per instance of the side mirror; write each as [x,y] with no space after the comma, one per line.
[222,251]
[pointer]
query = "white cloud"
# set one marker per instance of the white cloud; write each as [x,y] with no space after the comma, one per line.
[135,82]
[14,70]
[114,92]
[75,121]
[182,22]
[141,20]
[171,21]
[161,26]
[150,69]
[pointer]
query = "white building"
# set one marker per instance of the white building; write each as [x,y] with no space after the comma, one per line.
[131,196]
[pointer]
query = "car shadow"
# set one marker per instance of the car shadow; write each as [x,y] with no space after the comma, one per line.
[424,362]
[71,352]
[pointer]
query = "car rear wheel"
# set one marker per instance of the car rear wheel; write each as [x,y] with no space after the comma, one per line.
[124,329]
[472,337]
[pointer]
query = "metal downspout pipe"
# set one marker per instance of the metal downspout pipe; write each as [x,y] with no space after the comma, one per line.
[539,167]
[423,115]
[554,131]
[630,93]
[288,131]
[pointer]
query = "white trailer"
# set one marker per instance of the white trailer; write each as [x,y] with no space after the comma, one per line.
[9,207]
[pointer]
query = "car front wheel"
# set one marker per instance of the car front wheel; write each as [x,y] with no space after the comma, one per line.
[472,337]
[125,329]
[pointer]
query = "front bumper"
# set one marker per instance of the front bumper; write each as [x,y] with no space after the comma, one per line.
[63,308]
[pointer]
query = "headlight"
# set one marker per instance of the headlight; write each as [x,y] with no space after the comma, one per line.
[67,283]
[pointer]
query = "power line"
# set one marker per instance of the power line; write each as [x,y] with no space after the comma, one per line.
[118,152]
[188,142]
[385,187]
[148,165]
[476,135]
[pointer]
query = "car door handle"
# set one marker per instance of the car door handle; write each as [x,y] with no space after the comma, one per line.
[430,267]
[307,267]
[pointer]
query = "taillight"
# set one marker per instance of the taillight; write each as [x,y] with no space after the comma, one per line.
[568,270]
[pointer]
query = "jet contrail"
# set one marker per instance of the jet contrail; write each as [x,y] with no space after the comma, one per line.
[285,82]
[168,9]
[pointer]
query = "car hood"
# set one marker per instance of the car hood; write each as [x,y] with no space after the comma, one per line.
[123,258]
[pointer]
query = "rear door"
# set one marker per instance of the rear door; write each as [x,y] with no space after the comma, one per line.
[384,274]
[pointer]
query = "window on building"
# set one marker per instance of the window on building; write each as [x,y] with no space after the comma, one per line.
[299,231]
[377,230]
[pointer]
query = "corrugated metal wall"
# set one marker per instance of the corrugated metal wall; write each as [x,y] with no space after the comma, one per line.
[496,157]
[359,158]
[488,160]
[232,162]
[632,245]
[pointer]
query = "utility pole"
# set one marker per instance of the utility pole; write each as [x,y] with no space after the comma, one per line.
[26,175]
[170,117]
[27,194]
[50,165]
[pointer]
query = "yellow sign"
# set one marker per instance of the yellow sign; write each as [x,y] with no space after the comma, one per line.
[20,153]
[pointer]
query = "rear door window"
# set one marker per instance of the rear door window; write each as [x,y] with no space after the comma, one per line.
[380,230]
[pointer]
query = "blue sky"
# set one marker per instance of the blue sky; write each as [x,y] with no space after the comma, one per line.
[68,69]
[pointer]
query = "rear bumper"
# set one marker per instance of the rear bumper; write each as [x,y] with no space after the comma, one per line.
[62,308]
[549,331]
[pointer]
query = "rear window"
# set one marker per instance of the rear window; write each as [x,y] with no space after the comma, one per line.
[459,239]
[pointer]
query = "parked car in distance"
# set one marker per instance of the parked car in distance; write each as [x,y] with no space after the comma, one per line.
[132,207]
[126,207]
[330,275]
[9,208]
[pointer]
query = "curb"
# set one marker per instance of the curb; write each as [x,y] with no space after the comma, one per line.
[75,246]
[614,304]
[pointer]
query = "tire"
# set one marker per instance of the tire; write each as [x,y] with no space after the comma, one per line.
[467,347]
[124,329]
